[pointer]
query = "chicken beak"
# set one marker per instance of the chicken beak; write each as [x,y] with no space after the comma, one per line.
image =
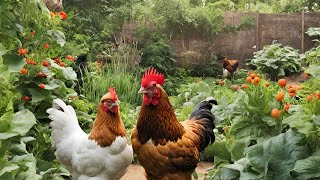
[114,104]
[142,90]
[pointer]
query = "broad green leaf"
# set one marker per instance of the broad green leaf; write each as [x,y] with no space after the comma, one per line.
[58,35]
[314,71]
[276,157]
[4,73]
[9,168]
[301,122]
[316,119]
[27,168]
[21,148]
[237,148]
[20,27]
[269,120]
[308,168]
[51,85]
[3,50]
[239,168]
[220,149]
[68,72]
[250,127]
[259,156]
[229,174]
[14,62]
[20,124]
[5,120]
[3,147]
[38,94]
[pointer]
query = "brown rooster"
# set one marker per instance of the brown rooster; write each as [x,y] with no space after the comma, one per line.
[229,67]
[166,148]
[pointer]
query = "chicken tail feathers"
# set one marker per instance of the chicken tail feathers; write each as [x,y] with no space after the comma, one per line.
[64,121]
[202,115]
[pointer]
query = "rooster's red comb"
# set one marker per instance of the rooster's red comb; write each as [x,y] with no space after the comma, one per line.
[152,75]
[113,93]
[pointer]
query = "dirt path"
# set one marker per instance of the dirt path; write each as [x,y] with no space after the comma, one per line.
[136,172]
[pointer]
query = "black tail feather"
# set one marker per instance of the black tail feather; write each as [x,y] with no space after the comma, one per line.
[203,113]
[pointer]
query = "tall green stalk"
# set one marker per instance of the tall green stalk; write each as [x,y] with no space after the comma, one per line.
[119,71]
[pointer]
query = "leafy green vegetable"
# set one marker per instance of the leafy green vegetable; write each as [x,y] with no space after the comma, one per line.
[308,168]
[276,157]
[276,60]
[20,123]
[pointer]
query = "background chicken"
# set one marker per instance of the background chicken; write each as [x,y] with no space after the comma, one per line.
[229,67]
[166,148]
[101,155]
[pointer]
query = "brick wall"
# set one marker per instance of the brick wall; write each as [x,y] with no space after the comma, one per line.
[287,29]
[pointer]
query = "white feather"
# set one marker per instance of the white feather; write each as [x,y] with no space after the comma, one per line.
[225,73]
[83,157]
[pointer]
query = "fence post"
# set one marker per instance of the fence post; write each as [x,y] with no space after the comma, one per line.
[302,31]
[257,32]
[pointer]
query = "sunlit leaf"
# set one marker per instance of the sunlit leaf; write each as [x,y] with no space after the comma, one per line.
[14,62]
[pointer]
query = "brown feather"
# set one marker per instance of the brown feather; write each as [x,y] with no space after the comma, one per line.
[107,127]
[159,123]
[164,147]
[230,65]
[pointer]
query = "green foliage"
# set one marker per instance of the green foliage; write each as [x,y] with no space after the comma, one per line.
[274,6]
[276,60]
[246,22]
[181,17]
[156,52]
[313,31]
[269,159]
[93,24]
[120,72]
[308,168]
[312,56]
[25,28]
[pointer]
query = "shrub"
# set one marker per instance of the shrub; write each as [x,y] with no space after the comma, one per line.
[276,60]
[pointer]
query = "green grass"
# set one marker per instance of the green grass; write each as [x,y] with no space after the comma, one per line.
[118,72]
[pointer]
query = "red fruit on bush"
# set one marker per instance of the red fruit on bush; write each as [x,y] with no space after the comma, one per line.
[275,113]
[42,86]
[256,80]
[282,82]
[71,58]
[280,96]
[292,90]
[63,15]
[45,63]
[22,52]
[26,98]
[23,71]
[244,86]
[249,79]
[236,87]
[267,84]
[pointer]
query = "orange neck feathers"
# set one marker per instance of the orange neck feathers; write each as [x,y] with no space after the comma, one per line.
[107,127]
[159,122]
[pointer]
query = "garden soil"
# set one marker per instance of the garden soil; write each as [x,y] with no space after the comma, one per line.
[136,172]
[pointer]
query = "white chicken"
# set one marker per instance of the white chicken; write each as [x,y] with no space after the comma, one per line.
[104,153]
